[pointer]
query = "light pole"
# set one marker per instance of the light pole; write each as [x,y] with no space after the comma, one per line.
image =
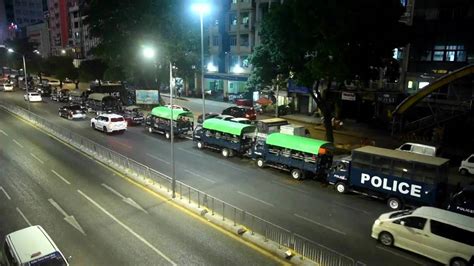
[149,52]
[202,8]
[10,50]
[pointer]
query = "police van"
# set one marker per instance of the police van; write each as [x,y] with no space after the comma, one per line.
[31,246]
[398,177]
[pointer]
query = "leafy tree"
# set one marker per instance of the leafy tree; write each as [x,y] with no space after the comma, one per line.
[318,43]
[92,70]
[60,67]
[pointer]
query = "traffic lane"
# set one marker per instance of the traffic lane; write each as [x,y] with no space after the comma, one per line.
[299,215]
[196,243]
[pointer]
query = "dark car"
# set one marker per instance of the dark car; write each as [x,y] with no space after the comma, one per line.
[72,112]
[208,115]
[133,115]
[463,201]
[241,111]
[44,90]
[63,95]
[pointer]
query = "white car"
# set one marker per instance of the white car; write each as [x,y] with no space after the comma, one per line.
[109,123]
[8,87]
[467,166]
[224,117]
[242,120]
[32,97]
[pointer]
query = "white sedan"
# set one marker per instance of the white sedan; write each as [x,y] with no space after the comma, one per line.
[8,87]
[32,97]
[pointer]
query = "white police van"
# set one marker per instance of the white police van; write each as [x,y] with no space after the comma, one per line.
[31,246]
[399,177]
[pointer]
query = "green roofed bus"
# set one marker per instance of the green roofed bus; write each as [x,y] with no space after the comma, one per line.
[227,136]
[159,120]
[302,156]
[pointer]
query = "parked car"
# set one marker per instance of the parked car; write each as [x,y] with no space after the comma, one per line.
[418,148]
[208,115]
[179,107]
[109,123]
[8,86]
[242,120]
[241,111]
[63,95]
[44,90]
[32,97]
[467,166]
[72,112]
[133,115]
[224,117]
[463,201]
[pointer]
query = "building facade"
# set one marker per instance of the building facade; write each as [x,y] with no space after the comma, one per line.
[80,41]
[58,24]
[28,12]
[39,35]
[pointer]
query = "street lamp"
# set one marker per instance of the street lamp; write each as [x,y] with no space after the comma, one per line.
[149,52]
[10,50]
[201,9]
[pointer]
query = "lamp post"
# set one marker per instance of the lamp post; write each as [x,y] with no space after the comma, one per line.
[10,50]
[149,52]
[202,8]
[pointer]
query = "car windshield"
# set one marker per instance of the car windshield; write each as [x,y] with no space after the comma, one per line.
[75,107]
[400,213]
[116,119]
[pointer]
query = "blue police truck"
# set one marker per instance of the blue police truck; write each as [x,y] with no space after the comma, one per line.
[401,178]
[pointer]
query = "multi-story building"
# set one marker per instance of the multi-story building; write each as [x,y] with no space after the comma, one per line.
[39,35]
[3,22]
[58,24]
[80,41]
[28,12]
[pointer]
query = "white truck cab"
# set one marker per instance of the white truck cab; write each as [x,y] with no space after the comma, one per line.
[467,166]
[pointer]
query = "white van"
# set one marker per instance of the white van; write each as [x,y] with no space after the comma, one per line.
[418,148]
[31,246]
[441,235]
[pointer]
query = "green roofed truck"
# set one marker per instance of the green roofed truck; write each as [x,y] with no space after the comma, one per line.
[161,118]
[226,136]
[302,156]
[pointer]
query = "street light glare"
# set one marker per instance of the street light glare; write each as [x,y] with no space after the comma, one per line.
[148,52]
[201,8]
[10,50]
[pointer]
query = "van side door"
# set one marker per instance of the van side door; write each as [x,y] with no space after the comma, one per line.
[409,233]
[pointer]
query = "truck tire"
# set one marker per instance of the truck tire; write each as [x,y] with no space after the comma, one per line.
[260,163]
[93,125]
[394,203]
[296,174]
[457,262]
[463,171]
[105,129]
[200,145]
[386,239]
[225,152]
[341,187]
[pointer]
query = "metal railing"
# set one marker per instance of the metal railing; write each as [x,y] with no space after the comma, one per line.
[194,197]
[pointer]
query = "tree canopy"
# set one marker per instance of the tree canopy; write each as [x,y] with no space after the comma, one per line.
[336,40]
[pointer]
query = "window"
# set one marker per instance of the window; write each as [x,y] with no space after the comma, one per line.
[244,61]
[438,56]
[412,222]
[244,40]
[233,40]
[233,19]
[76,24]
[215,40]
[117,119]
[452,232]
[244,18]
[234,60]
[447,53]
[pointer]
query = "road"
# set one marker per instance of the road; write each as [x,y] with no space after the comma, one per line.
[308,208]
[98,217]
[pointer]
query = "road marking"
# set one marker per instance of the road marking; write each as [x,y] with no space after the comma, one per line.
[24,217]
[350,207]
[127,228]
[68,218]
[157,158]
[191,152]
[231,166]
[17,143]
[200,176]
[325,226]
[5,192]
[400,255]
[38,159]
[290,187]
[259,200]
[3,132]
[62,178]
[126,200]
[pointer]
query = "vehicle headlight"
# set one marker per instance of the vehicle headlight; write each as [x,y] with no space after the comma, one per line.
[378,222]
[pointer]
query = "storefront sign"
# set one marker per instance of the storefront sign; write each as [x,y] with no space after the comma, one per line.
[386,98]
[348,96]
[226,77]
[146,97]
[292,87]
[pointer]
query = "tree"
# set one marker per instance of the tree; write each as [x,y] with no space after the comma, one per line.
[61,67]
[124,27]
[92,70]
[322,42]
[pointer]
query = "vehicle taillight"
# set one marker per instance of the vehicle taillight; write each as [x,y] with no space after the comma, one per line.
[322,151]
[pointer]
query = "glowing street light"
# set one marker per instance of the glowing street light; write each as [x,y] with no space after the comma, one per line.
[149,52]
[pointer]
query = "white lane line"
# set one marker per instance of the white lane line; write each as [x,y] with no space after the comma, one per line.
[5,192]
[157,158]
[254,198]
[350,207]
[3,132]
[200,176]
[128,229]
[399,255]
[24,217]
[129,201]
[320,224]
[61,177]
[38,159]
[17,143]
[191,152]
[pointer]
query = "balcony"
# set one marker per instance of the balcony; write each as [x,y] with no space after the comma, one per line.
[233,27]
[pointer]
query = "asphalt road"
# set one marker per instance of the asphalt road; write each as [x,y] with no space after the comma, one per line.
[308,208]
[97,216]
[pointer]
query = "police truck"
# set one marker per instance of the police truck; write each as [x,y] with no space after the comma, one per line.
[400,178]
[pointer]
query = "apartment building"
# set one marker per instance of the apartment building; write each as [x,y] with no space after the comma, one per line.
[80,40]
[58,24]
